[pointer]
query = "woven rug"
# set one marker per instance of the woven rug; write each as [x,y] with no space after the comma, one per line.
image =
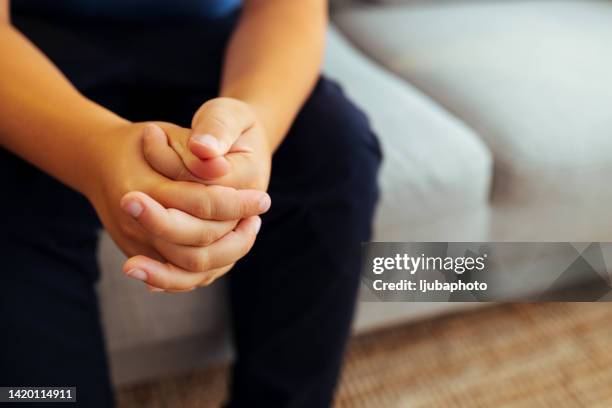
[529,355]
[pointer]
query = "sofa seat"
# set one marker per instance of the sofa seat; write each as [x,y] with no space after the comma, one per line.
[532,78]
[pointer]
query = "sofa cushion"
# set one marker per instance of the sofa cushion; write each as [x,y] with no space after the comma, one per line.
[432,164]
[534,79]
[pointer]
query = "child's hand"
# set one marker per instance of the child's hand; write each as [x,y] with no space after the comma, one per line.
[227,146]
[180,235]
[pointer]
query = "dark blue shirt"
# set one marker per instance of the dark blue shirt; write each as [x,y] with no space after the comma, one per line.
[127,9]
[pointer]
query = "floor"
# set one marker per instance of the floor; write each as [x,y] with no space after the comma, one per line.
[529,355]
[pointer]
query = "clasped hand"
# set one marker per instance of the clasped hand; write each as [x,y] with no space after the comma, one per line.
[190,199]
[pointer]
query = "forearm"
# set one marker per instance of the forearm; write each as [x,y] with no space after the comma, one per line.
[274,58]
[43,118]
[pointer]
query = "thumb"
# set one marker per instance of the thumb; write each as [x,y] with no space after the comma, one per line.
[160,156]
[166,154]
[217,125]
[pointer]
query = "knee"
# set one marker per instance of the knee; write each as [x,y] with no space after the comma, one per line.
[333,157]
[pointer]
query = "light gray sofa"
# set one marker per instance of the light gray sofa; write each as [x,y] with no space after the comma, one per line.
[495,119]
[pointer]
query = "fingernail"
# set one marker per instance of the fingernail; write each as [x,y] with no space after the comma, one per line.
[264,203]
[137,274]
[207,140]
[134,208]
[257,225]
[154,289]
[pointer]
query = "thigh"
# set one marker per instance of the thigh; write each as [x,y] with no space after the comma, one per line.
[293,295]
[324,190]
[324,175]
[51,334]
[329,164]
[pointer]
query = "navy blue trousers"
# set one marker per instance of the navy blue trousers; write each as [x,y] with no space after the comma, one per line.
[292,297]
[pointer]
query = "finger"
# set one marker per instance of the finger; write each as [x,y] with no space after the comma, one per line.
[160,155]
[217,125]
[211,202]
[170,277]
[166,277]
[174,160]
[225,251]
[242,173]
[245,172]
[173,225]
[208,280]
[209,169]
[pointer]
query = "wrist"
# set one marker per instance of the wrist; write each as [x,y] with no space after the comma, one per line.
[102,153]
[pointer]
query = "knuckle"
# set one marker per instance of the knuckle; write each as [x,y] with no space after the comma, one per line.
[181,174]
[237,209]
[207,237]
[199,262]
[229,207]
[242,208]
[219,117]
[204,208]
[159,229]
[191,263]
